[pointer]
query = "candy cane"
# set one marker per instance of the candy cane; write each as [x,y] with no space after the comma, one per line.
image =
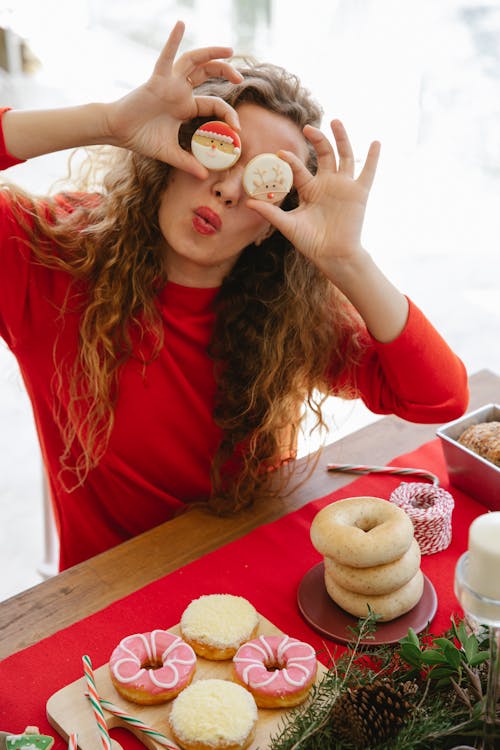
[73,741]
[96,706]
[366,469]
[138,724]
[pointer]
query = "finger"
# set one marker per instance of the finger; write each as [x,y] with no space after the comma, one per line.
[301,174]
[344,148]
[214,105]
[181,159]
[167,55]
[274,215]
[189,61]
[367,174]
[215,69]
[322,146]
[283,221]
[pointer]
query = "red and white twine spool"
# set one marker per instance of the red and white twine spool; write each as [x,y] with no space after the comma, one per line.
[430,509]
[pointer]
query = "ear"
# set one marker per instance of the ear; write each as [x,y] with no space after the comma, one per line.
[264,235]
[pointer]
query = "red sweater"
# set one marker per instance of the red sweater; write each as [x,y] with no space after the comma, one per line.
[164,438]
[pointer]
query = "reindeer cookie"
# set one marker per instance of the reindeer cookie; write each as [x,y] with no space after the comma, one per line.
[267,178]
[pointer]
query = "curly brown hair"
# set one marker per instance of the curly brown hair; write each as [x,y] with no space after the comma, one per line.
[282,329]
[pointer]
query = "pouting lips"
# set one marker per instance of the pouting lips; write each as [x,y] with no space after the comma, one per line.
[212,219]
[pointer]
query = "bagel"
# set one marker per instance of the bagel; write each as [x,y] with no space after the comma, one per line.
[378,579]
[362,531]
[387,606]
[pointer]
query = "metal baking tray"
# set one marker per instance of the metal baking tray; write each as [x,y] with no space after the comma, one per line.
[469,472]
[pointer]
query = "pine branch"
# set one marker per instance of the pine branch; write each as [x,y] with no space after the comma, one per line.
[438,680]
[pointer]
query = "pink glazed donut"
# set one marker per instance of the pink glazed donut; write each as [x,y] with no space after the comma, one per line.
[150,668]
[278,670]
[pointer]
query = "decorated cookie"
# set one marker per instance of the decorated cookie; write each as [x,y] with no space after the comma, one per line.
[30,739]
[216,145]
[267,178]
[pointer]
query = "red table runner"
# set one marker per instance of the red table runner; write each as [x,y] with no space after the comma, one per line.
[265,566]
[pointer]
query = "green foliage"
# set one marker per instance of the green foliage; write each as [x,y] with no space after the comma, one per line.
[442,678]
[443,658]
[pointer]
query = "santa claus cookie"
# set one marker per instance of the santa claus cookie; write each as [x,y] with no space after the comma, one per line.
[216,145]
[267,178]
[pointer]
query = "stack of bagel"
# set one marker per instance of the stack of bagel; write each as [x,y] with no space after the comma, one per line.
[372,560]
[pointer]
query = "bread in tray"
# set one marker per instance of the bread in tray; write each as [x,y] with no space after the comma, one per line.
[484,439]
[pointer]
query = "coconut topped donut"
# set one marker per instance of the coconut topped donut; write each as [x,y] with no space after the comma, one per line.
[212,714]
[215,625]
[362,531]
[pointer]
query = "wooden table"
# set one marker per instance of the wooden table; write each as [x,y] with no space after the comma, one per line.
[95,583]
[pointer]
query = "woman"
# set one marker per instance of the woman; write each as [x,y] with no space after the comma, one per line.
[168,328]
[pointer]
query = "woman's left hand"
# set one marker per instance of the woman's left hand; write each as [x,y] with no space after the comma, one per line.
[327,224]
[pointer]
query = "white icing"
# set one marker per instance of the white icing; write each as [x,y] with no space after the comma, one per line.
[268,178]
[163,683]
[213,157]
[120,677]
[146,645]
[289,667]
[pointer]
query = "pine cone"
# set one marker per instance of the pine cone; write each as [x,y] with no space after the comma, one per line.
[370,714]
[409,689]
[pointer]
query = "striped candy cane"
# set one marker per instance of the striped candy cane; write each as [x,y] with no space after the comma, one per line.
[73,741]
[366,469]
[138,724]
[96,706]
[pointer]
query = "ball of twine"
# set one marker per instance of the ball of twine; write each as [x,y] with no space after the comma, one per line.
[430,510]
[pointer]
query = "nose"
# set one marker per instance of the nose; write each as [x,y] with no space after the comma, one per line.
[228,186]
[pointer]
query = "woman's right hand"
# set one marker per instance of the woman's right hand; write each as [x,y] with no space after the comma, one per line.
[148,119]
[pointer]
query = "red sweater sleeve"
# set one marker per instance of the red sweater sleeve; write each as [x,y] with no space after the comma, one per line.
[417,376]
[6,160]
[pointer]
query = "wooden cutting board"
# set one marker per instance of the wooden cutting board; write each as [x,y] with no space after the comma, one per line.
[69,710]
